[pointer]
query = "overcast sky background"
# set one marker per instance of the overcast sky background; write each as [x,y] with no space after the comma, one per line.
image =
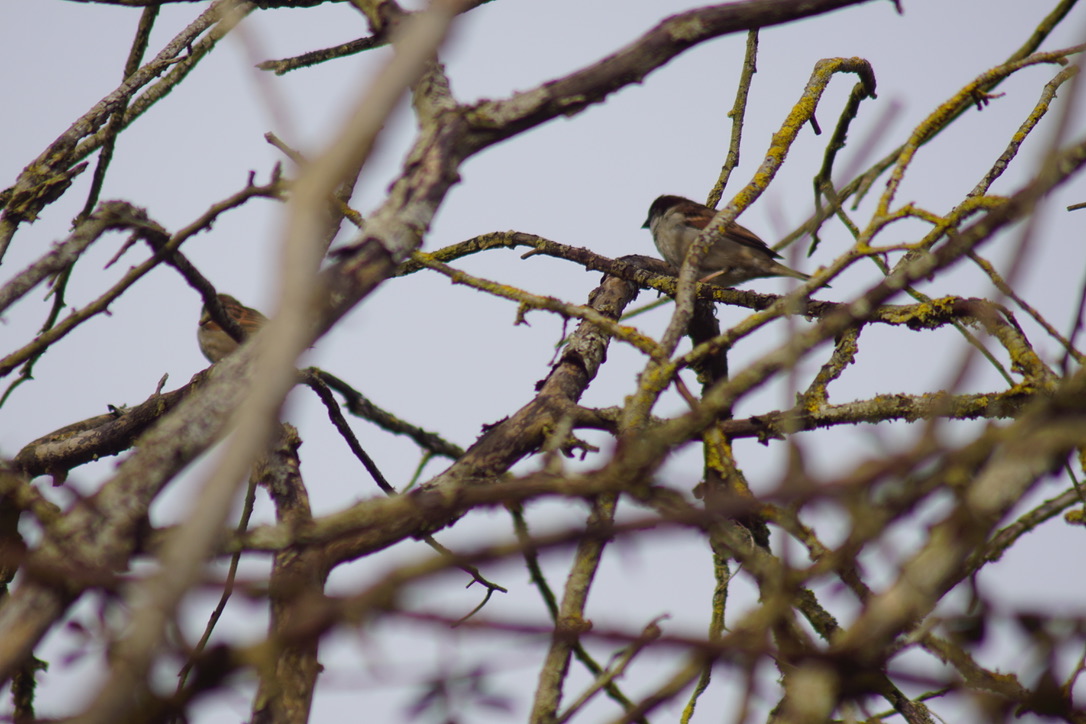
[450,359]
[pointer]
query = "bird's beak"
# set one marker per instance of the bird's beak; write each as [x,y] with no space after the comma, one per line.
[645,225]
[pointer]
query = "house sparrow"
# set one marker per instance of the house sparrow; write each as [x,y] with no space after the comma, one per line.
[215,343]
[733,259]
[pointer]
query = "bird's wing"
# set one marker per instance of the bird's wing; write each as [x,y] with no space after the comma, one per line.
[746,237]
[739,234]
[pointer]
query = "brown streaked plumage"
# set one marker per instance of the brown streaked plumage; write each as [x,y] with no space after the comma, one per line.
[215,343]
[737,257]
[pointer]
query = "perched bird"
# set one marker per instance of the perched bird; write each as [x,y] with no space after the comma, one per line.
[215,343]
[733,259]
